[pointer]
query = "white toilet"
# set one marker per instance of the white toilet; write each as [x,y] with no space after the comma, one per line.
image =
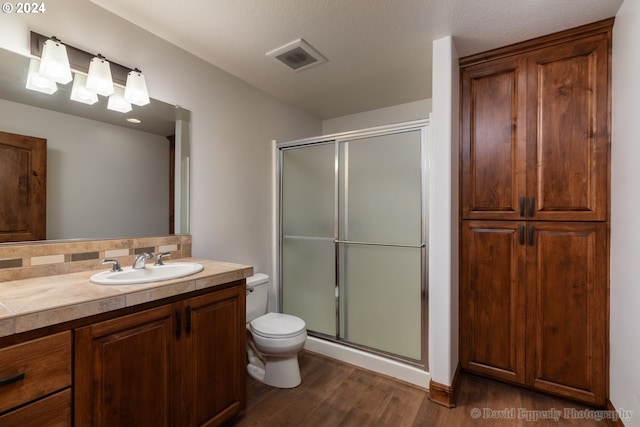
[274,339]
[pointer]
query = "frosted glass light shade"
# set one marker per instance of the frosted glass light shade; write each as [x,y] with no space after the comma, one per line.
[79,91]
[99,77]
[136,90]
[54,63]
[117,101]
[35,81]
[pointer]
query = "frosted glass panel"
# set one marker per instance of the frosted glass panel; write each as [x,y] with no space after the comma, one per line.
[308,197]
[308,278]
[380,191]
[308,251]
[380,295]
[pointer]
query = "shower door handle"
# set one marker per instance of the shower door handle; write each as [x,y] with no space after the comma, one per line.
[396,245]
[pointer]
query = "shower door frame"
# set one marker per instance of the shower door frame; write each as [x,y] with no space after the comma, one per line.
[336,139]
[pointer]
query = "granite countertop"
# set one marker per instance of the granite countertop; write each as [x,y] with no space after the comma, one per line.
[30,304]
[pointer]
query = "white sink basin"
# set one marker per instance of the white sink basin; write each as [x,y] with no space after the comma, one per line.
[151,273]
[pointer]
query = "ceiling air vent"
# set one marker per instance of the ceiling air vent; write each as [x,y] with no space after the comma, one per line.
[297,55]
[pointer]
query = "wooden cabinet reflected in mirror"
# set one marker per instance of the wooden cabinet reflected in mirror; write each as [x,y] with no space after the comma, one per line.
[23,187]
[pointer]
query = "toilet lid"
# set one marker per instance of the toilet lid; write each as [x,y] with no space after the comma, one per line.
[277,325]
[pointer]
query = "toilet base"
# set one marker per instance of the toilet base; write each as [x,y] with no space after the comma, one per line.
[280,372]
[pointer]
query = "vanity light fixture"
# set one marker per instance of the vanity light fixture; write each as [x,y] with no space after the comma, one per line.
[54,63]
[124,86]
[79,91]
[99,78]
[35,81]
[117,101]
[136,89]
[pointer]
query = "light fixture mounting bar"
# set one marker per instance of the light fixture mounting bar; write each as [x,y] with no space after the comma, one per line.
[79,59]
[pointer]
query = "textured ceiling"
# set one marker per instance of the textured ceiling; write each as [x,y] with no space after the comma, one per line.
[379,51]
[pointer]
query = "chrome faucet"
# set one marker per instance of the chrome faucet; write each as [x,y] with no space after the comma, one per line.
[138,264]
[115,265]
[160,257]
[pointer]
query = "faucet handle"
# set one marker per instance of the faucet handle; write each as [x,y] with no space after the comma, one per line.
[160,257]
[115,264]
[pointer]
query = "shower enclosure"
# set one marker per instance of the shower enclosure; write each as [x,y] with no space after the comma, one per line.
[353,227]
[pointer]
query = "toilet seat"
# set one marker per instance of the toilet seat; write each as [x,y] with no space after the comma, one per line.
[277,325]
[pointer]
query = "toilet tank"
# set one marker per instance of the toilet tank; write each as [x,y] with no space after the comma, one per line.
[257,286]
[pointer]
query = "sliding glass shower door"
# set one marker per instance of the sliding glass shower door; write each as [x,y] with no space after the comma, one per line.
[307,212]
[353,228]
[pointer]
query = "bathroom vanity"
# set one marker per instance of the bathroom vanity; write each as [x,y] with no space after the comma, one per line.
[168,353]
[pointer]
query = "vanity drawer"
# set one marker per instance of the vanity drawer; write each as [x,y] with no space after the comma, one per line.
[34,369]
[52,411]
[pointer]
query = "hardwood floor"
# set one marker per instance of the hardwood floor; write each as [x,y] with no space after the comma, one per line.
[336,394]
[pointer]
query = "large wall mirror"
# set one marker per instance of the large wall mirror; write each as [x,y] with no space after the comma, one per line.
[105,177]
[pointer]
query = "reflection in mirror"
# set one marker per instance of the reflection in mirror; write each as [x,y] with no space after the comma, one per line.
[106,177]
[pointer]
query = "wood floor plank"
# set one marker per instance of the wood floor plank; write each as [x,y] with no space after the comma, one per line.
[335,394]
[376,393]
[403,406]
[324,416]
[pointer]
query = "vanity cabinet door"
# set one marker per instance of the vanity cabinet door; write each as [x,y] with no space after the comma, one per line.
[178,365]
[123,371]
[214,354]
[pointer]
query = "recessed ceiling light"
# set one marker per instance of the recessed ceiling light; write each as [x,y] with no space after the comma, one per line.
[134,120]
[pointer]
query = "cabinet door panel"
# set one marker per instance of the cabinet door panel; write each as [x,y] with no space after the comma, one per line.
[123,370]
[492,298]
[567,309]
[215,355]
[493,145]
[568,131]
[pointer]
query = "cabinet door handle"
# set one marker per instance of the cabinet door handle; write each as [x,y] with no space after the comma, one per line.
[521,206]
[521,232]
[532,206]
[11,379]
[178,323]
[187,326]
[531,235]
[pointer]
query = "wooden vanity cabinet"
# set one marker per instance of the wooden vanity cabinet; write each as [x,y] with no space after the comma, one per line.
[179,364]
[35,382]
[534,209]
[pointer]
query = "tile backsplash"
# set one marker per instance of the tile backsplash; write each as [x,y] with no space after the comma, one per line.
[36,259]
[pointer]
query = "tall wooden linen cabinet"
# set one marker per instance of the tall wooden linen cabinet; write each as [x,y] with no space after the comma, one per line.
[535,181]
